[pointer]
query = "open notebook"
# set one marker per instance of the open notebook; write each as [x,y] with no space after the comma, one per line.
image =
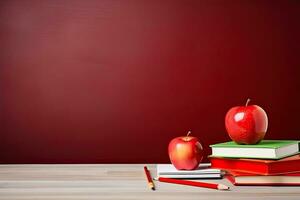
[204,171]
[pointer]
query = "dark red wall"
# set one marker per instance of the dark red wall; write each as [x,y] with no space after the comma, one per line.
[115,81]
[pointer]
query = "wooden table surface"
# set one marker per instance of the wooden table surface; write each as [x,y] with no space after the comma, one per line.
[114,181]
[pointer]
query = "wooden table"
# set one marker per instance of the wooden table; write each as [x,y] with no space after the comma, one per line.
[114,181]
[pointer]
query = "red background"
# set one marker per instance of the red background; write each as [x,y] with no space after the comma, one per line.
[115,81]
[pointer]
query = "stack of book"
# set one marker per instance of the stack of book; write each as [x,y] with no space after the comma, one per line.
[271,162]
[203,172]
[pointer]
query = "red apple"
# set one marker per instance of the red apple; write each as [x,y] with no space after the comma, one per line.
[246,124]
[185,152]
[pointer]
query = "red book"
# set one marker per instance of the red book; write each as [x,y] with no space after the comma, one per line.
[238,178]
[258,166]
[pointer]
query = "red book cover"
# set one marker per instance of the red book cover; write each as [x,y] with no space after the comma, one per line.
[258,166]
[238,178]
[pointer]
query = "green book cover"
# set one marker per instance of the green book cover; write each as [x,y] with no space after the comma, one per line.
[270,144]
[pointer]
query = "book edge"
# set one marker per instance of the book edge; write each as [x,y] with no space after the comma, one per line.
[223,145]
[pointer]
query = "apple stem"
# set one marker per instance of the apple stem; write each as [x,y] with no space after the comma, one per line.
[188,133]
[248,100]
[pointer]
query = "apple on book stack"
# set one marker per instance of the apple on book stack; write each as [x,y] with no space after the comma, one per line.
[250,160]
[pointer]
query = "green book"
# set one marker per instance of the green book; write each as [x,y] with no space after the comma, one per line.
[266,149]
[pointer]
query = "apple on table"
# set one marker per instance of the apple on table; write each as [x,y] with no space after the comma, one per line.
[246,124]
[185,152]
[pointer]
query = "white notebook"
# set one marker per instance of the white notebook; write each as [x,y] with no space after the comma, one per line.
[204,171]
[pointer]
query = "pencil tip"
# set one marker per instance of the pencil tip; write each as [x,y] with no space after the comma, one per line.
[223,187]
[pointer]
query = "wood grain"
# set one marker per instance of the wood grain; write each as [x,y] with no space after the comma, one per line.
[113,181]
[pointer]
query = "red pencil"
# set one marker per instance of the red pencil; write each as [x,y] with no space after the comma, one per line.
[149,178]
[194,183]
